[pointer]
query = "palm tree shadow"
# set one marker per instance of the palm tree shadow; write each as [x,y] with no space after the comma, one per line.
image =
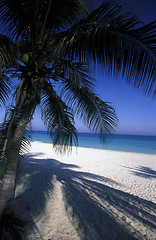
[97,210]
[144,172]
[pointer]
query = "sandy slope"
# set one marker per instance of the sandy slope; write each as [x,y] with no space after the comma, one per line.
[90,194]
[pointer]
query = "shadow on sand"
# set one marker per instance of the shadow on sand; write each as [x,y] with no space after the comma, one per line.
[144,172]
[101,212]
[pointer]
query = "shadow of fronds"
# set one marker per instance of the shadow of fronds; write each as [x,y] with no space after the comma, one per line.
[96,210]
[144,172]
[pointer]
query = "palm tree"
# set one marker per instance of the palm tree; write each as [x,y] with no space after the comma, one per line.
[56,41]
[7,53]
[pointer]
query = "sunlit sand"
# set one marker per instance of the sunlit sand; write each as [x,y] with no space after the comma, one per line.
[90,194]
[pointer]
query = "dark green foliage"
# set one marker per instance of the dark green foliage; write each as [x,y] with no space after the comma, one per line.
[4,88]
[29,16]
[112,38]
[77,88]
[58,118]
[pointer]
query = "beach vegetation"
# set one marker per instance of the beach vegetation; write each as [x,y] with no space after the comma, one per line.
[47,51]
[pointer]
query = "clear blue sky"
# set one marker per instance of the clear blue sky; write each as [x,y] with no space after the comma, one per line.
[136,112]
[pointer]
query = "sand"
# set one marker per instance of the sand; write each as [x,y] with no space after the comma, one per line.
[91,194]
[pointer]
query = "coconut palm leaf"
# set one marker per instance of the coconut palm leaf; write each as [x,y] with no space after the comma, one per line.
[111,38]
[58,119]
[58,19]
[32,16]
[8,57]
[79,71]
[16,15]
[26,141]
[78,91]
[4,88]
[8,52]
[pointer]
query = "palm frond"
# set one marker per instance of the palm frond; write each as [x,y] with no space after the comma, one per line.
[58,119]
[26,141]
[111,13]
[7,130]
[80,71]
[31,16]
[100,116]
[14,16]
[55,18]
[8,54]
[77,89]
[110,37]
[4,88]
[8,58]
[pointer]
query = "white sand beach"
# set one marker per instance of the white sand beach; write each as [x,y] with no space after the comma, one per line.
[90,194]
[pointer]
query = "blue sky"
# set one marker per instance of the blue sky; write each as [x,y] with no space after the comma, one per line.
[136,112]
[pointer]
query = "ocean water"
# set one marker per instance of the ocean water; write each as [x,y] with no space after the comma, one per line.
[126,143]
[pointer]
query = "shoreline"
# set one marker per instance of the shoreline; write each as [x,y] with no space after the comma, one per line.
[88,194]
[96,148]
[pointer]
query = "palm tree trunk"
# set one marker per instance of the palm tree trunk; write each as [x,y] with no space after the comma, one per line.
[7,188]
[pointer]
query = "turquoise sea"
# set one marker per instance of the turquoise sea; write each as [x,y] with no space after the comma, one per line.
[127,143]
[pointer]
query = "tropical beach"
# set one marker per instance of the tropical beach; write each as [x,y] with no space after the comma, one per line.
[77,69]
[87,194]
